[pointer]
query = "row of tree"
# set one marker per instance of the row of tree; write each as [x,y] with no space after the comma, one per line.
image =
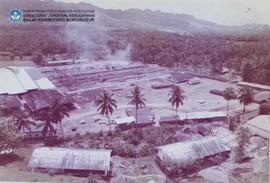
[249,58]
[50,117]
[245,97]
[106,104]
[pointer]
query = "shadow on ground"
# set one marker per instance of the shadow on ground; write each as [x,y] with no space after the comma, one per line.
[10,158]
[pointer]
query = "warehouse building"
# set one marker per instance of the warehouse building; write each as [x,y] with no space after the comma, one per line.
[27,87]
[77,161]
[255,86]
[203,116]
[186,153]
[17,80]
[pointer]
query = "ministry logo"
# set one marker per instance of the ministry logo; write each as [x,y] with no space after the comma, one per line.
[15,15]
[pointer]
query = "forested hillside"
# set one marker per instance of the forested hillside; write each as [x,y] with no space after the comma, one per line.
[167,49]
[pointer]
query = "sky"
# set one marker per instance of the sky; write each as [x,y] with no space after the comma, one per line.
[226,12]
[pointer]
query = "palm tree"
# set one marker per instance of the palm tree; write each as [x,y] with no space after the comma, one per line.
[137,100]
[246,96]
[106,104]
[177,97]
[58,113]
[47,126]
[22,120]
[229,94]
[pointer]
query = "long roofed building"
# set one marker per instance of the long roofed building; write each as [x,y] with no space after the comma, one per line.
[71,160]
[28,87]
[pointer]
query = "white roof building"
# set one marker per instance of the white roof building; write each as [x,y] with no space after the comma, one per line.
[71,159]
[125,120]
[17,80]
[202,115]
[260,125]
[189,151]
[254,85]
[225,136]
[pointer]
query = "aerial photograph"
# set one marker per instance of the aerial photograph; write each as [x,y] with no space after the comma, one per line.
[135,91]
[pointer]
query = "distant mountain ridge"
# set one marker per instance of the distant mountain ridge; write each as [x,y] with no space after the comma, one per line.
[107,19]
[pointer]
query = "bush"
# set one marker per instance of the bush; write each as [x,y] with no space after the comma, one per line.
[135,141]
[38,58]
[52,141]
[264,109]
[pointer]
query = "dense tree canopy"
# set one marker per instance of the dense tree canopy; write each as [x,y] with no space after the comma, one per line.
[163,48]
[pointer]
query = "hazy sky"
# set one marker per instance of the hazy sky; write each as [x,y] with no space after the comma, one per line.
[228,12]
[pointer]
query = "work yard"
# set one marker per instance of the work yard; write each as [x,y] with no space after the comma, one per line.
[134,150]
[197,98]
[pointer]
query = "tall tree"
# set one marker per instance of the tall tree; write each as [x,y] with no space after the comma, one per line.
[137,100]
[246,96]
[58,112]
[229,94]
[176,97]
[22,119]
[106,104]
[248,72]
[48,126]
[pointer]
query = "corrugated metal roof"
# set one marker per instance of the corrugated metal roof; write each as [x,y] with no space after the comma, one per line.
[146,111]
[260,125]
[40,99]
[189,151]
[262,122]
[17,80]
[254,85]
[202,115]
[127,120]
[225,136]
[144,115]
[9,83]
[44,83]
[72,159]
[60,62]
[26,81]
